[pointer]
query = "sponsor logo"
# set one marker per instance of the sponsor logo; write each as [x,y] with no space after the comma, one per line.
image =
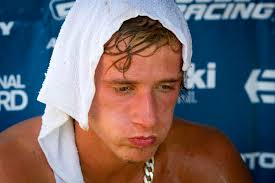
[202,79]
[5,28]
[261,87]
[12,95]
[60,8]
[225,9]
[187,98]
[264,160]
[195,78]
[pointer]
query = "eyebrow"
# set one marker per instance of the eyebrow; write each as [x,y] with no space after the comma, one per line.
[127,81]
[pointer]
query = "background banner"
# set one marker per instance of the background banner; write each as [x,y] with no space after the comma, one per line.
[231,83]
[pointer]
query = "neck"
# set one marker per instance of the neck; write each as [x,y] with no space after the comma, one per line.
[100,164]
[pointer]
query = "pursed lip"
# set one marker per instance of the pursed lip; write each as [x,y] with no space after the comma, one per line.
[141,141]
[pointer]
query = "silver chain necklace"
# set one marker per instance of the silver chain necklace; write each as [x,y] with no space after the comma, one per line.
[149,171]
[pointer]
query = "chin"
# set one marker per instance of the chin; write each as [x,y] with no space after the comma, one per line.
[137,155]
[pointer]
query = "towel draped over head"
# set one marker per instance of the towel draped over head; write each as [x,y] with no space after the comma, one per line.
[69,88]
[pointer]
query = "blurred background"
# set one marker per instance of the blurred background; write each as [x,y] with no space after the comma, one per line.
[231,83]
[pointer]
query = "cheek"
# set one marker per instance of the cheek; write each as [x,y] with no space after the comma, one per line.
[166,103]
[109,112]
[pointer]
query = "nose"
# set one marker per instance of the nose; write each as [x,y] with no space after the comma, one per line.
[144,110]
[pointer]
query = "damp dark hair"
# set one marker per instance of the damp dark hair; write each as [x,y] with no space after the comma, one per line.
[134,36]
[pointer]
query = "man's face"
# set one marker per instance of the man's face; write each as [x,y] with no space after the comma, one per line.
[132,114]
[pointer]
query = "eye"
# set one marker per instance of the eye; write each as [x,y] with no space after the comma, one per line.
[123,89]
[166,87]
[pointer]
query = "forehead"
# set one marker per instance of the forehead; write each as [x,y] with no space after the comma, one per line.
[163,63]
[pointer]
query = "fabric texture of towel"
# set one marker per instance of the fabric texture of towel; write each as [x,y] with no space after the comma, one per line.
[68,88]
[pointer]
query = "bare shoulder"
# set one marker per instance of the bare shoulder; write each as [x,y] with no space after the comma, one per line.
[204,154]
[20,155]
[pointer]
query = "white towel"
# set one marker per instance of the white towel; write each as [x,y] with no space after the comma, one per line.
[68,88]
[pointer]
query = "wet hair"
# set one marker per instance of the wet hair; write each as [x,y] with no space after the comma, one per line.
[134,36]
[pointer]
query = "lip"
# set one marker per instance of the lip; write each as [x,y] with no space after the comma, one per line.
[142,141]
